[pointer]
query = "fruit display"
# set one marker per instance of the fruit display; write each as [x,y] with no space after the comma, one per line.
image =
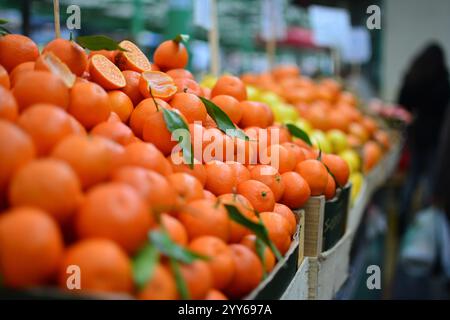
[331,116]
[157,186]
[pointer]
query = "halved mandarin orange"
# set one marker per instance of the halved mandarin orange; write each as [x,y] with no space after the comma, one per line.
[50,62]
[105,73]
[161,84]
[133,58]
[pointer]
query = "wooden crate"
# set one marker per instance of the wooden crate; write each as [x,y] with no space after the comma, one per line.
[314,215]
[325,221]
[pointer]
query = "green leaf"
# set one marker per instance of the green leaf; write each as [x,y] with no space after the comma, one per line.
[260,248]
[179,280]
[222,120]
[144,264]
[258,228]
[98,42]
[3,21]
[332,175]
[166,246]
[184,38]
[4,31]
[174,122]
[298,133]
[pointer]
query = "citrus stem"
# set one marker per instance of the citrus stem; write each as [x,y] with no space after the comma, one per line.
[154,100]
[181,38]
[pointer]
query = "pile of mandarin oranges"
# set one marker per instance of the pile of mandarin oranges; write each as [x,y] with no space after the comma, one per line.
[87,170]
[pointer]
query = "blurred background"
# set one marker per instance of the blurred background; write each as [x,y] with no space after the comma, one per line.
[380,48]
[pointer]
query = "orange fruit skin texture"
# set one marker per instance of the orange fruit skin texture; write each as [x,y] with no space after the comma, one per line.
[190,106]
[16,49]
[221,262]
[17,149]
[372,154]
[70,53]
[31,247]
[315,173]
[105,73]
[287,213]
[142,111]
[175,229]
[205,218]
[198,170]
[8,105]
[237,231]
[285,158]
[155,131]
[24,67]
[297,190]
[278,229]
[220,178]
[131,88]
[255,114]
[180,73]
[270,177]
[45,137]
[215,295]
[187,187]
[41,87]
[48,184]
[187,85]
[115,131]
[241,171]
[161,286]
[171,55]
[104,266]
[269,258]
[338,167]
[89,104]
[259,195]
[121,104]
[248,272]
[114,211]
[150,185]
[295,150]
[330,190]
[198,278]
[145,155]
[90,157]
[230,85]
[209,195]
[230,106]
[4,78]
